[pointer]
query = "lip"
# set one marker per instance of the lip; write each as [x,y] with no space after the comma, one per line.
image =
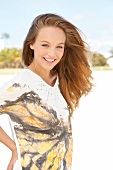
[49,60]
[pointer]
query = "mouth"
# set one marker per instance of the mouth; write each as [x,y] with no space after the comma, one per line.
[49,60]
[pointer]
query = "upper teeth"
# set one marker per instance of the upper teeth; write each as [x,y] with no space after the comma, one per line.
[50,60]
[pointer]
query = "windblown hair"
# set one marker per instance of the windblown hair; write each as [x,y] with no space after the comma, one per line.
[73,70]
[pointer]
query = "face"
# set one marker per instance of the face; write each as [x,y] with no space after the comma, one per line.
[48,47]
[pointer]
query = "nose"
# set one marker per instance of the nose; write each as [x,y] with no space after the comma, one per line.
[51,52]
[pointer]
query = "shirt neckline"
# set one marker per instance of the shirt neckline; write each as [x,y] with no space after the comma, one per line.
[37,76]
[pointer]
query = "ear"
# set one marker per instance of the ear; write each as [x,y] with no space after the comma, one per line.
[32,46]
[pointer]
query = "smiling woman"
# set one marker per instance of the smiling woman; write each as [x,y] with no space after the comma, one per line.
[48,50]
[41,99]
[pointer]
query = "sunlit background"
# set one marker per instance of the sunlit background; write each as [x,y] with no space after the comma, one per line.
[93,121]
[94,18]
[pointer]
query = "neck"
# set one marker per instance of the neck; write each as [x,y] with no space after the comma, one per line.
[48,76]
[44,74]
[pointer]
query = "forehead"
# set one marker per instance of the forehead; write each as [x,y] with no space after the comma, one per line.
[55,33]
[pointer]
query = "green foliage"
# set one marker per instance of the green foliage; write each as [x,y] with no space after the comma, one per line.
[98,60]
[10,58]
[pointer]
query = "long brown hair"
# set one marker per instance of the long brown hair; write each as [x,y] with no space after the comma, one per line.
[73,70]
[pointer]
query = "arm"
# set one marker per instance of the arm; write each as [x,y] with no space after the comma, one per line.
[7,141]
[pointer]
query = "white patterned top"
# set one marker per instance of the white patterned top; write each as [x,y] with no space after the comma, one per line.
[41,121]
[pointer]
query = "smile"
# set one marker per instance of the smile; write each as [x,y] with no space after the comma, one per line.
[49,60]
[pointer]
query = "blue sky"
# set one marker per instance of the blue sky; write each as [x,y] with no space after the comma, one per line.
[94,18]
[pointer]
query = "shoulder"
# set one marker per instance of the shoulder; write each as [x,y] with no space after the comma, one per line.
[21,83]
[14,79]
[14,88]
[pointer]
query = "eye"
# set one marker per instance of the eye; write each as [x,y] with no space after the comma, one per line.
[60,47]
[45,45]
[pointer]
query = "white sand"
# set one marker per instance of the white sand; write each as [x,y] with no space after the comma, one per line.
[93,127]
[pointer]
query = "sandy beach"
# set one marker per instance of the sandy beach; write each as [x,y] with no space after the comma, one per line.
[93,126]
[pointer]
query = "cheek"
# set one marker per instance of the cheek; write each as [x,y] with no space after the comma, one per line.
[38,52]
[61,53]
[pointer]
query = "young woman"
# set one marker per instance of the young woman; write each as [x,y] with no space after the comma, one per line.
[42,98]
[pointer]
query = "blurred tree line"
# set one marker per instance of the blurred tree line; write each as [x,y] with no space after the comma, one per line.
[11,58]
[98,59]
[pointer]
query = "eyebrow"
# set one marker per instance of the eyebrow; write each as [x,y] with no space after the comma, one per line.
[49,42]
